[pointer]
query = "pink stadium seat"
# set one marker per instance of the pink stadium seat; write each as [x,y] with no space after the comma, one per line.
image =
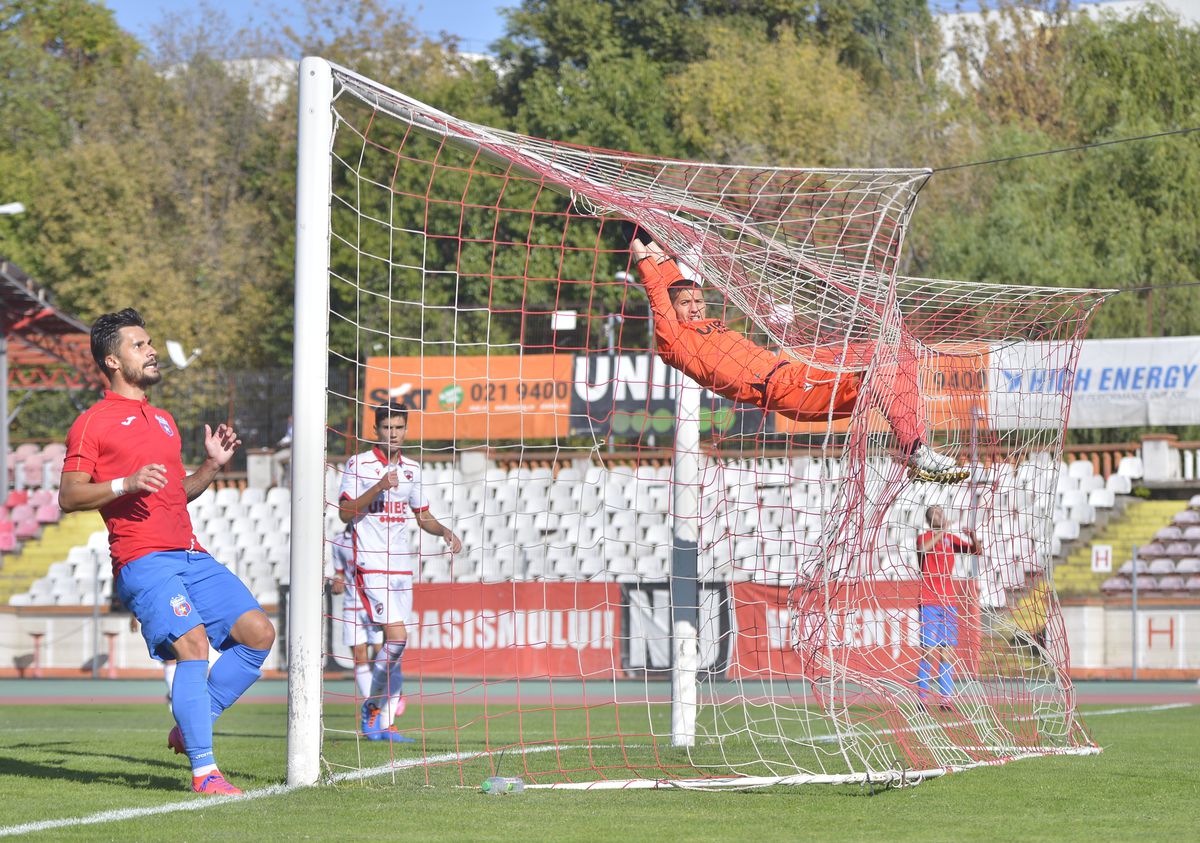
[1192,533]
[24,512]
[41,497]
[16,497]
[1115,584]
[31,471]
[1172,582]
[1152,550]
[55,450]
[26,449]
[1188,516]
[27,529]
[48,513]
[1193,583]
[1168,534]
[8,538]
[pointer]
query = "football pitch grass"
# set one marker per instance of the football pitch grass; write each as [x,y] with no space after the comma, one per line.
[95,767]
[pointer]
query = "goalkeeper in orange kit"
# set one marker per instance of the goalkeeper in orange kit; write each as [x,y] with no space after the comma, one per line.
[731,365]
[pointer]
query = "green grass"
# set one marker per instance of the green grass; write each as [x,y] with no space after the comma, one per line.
[72,761]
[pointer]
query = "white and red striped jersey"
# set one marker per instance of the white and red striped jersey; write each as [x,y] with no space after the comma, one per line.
[381,543]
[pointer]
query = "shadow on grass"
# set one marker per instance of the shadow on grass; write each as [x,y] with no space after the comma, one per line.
[114,775]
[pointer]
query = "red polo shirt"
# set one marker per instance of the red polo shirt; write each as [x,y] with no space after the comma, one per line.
[114,438]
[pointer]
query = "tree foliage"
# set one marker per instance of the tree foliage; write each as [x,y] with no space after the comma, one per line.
[162,175]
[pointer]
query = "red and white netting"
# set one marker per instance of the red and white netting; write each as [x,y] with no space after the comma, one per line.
[481,276]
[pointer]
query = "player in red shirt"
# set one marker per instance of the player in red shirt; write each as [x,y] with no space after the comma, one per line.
[936,548]
[733,366]
[124,459]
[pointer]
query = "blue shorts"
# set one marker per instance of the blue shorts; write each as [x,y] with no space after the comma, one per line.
[939,626]
[174,591]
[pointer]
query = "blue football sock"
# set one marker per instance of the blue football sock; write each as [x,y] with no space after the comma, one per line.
[946,678]
[923,677]
[233,673]
[190,705]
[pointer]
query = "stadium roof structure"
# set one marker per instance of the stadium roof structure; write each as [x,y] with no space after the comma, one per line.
[47,348]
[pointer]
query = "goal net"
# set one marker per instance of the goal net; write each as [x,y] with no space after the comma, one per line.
[659,586]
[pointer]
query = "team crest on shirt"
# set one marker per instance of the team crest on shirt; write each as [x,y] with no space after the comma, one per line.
[408,475]
[378,608]
[165,425]
[181,606]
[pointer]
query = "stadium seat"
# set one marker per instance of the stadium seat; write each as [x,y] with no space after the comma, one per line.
[1168,534]
[48,513]
[16,497]
[41,497]
[1083,514]
[26,529]
[1171,582]
[1143,567]
[1130,467]
[1189,565]
[1192,583]
[1161,566]
[1152,549]
[1066,530]
[279,497]
[1115,584]
[1186,518]
[8,537]
[1118,484]
[1179,549]
[1101,499]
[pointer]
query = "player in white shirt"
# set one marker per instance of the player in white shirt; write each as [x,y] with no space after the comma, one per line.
[381,491]
[359,633]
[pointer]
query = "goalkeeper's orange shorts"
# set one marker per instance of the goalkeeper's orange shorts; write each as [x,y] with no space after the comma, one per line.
[810,393]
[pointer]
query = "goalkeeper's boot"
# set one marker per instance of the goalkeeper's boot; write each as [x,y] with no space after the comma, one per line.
[175,741]
[214,784]
[928,465]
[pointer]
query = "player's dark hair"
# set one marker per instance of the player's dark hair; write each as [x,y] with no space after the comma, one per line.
[106,333]
[391,408]
[929,514]
[677,287]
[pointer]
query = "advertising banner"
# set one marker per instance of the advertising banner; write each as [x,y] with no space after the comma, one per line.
[515,629]
[628,394]
[483,398]
[876,630]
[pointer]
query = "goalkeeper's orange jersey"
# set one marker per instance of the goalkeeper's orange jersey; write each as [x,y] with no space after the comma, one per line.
[708,352]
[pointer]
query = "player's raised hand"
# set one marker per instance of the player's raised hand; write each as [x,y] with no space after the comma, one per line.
[221,443]
[148,478]
[389,480]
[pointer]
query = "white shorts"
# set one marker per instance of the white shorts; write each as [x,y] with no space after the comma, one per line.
[386,598]
[357,629]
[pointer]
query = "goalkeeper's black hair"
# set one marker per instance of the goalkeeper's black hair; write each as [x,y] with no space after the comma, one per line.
[678,286]
[106,334]
[385,411]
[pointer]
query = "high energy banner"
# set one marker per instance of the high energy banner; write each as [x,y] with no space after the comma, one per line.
[1117,383]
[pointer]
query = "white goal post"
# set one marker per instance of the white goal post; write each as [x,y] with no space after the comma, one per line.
[805,530]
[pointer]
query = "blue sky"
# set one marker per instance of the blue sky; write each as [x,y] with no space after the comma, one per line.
[476,22]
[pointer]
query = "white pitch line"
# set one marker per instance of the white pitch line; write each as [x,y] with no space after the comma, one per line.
[280,789]
[211,802]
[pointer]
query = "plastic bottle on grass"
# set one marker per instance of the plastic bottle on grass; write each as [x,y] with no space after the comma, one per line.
[498,785]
